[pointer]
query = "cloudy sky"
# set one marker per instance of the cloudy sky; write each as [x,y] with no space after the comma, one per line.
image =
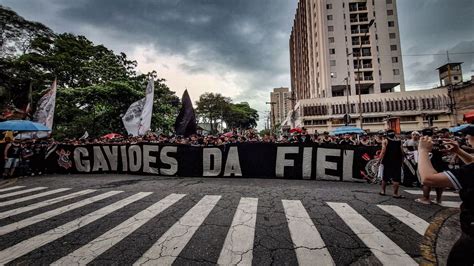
[239,48]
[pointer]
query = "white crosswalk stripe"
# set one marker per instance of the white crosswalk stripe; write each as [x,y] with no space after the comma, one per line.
[11,188]
[238,245]
[307,241]
[16,193]
[26,246]
[9,213]
[381,246]
[171,243]
[451,204]
[47,215]
[15,201]
[408,218]
[90,251]
[419,192]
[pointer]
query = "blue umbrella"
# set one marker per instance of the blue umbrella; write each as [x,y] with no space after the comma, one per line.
[347,130]
[458,128]
[22,126]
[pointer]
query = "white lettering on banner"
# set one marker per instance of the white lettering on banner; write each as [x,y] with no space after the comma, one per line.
[206,161]
[134,158]
[147,159]
[165,159]
[99,160]
[123,152]
[348,160]
[307,156]
[282,162]
[322,164]
[232,165]
[82,165]
[112,154]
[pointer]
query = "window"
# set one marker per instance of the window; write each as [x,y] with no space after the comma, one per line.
[455,77]
[392,35]
[393,47]
[332,51]
[330,28]
[391,24]
[389,2]
[396,72]
[331,39]
[329,17]
[390,12]
[395,59]
[329,6]
[332,62]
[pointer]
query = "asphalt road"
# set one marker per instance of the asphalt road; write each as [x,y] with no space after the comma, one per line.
[122,220]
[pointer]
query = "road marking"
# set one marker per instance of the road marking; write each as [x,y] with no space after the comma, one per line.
[14,201]
[171,243]
[451,204]
[420,192]
[309,246]
[11,188]
[21,192]
[9,254]
[238,245]
[17,211]
[413,221]
[43,216]
[381,246]
[93,249]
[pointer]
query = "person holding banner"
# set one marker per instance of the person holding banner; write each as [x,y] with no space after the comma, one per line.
[461,179]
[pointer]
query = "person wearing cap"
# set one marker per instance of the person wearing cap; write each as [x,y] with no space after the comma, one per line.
[391,158]
[462,179]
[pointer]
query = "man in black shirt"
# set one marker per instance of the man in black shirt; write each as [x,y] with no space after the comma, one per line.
[461,179]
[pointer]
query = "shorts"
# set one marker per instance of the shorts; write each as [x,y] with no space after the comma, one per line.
[391,173]
[11,163]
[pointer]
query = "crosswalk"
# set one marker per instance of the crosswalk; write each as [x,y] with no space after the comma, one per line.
[21,208]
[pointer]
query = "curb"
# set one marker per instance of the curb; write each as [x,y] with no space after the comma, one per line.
[7,183]
[428,244]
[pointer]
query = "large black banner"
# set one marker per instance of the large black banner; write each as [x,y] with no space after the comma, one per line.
[263,160]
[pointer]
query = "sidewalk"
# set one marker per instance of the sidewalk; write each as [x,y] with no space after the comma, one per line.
[440,236]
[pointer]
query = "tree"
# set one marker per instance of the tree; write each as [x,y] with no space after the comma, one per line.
[95,85]
[241,115]
[212,107]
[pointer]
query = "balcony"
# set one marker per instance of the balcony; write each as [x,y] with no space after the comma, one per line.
[363,66]
[363,54]
[355,31]
[355,43]
[356,9]
[366,78]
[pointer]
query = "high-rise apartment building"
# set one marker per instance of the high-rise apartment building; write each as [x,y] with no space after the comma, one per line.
[335,40]
[280,105]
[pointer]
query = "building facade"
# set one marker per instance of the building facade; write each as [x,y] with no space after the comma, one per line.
[280,105]
[338,46]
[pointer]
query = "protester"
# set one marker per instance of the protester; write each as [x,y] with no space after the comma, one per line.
[461,179]
[12,155]
[391,158]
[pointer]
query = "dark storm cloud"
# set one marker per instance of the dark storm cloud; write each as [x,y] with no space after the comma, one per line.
[242,35]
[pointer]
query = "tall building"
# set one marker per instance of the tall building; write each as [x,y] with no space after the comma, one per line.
[337,40]
[280,105]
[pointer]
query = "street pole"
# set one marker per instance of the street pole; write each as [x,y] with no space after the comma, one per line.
[273,115]
[359,74]
[347,96]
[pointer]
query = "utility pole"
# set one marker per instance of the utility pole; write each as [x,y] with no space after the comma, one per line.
[347,117]
[359,74]
[272,113]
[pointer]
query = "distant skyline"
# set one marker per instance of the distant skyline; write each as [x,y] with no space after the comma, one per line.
[240,48]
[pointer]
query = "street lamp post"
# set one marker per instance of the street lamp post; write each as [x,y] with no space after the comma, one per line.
[358,72]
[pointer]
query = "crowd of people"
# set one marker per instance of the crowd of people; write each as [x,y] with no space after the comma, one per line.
[24,157]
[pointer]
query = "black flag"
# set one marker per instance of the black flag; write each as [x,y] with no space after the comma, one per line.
[185,124]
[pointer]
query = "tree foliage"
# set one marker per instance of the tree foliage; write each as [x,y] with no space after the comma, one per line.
[214,108]
[95,85]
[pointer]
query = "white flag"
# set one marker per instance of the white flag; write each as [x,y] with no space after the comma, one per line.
[85,136]
[45,110]
[137,119]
